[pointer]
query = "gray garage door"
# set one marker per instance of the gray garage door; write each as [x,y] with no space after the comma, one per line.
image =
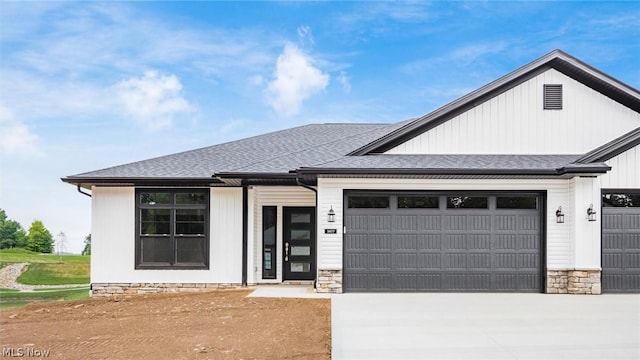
[442,242]
[621,242]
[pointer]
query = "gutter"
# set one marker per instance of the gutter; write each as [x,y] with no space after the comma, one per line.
[82,192]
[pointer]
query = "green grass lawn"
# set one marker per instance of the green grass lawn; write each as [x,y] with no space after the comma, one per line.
[12,298]
[46,269]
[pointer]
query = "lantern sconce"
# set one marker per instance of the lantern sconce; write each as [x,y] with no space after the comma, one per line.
[331,215]
[559,215]
[591,214]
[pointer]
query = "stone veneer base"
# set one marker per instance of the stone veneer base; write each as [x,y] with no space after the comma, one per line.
[329,281]
[112,289]
[574,281]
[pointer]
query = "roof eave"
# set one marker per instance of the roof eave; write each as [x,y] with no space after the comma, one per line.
[144,181]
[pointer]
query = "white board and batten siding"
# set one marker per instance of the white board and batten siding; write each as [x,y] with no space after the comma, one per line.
[625,171]
[113,258]
[279,196]
[559,243]
[515,122]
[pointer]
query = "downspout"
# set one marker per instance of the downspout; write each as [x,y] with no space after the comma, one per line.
[245,232]
[300,183]
[82,192]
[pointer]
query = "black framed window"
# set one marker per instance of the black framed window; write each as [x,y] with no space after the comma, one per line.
[621,199]
[467,202]
[368,202]
[269,233]
[172,229]
[418,202]
[516,202]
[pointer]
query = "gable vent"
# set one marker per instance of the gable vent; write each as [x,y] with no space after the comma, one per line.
[552,97]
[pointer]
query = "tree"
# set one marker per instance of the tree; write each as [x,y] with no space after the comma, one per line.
[11,232]
[39,238]
[87,245]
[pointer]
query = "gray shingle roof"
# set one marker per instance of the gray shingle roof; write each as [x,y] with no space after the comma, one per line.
[276,152]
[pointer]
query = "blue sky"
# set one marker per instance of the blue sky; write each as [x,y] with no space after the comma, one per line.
[87,85]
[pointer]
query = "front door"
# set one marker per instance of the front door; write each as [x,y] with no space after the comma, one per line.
[299,241]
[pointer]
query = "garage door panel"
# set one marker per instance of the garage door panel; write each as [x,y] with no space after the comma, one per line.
[612,242]
[380,223]
[529,223]
[406,242]
[528,261]
[429,223]
[429,261]
[358,242]
[528,243]
[456,222]
[357,261]
[504,262]
[405,223]
[357,223]
[632,223]
[621,243]
[382,261]
[613,261]
[476,242]
[479,223]
[381,242]
[405,261]
[455,242]
[455,261]
[446,249]
[428,242]
[479,261]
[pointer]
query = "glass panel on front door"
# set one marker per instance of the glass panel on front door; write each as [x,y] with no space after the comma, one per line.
[299,243]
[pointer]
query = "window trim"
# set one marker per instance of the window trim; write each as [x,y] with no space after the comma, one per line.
[173,265]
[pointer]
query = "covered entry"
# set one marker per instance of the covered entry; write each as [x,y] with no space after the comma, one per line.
[428,241]
[621,241]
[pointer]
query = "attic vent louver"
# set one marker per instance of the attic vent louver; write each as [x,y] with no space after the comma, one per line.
[552,97]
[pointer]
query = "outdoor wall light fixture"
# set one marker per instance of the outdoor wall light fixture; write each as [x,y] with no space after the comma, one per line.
[331,215]
[591,214]
[559,215]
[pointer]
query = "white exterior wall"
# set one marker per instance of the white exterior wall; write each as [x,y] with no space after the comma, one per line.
[113,240]
[585,242]
[279,196]
[625,171]
[559,236]
[515,122]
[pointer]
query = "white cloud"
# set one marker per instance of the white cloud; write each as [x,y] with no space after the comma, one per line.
[15,137]
[304,35]
[295,80]
[153,100]
[344,80]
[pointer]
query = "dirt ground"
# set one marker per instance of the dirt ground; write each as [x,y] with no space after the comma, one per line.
[212,325]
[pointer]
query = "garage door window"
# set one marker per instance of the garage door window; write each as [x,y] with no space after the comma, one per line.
[368,202]
[621,200]
[418,202]
[516,202]
[467,202]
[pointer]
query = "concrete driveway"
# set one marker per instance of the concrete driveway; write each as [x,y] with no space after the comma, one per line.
[485,326]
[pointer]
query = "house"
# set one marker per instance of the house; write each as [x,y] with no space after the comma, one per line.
[528,184]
